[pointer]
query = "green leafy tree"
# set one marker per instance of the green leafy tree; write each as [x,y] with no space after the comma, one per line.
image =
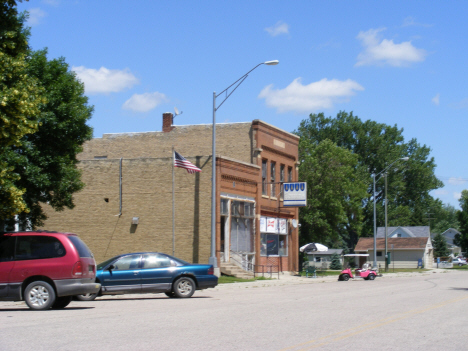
[335,192]
[47,165]
[43,116]
[444,217]
[335,262]
[20,98]
[462,239]
[440,246]
[376,146]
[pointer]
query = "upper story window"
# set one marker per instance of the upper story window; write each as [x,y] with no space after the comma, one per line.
[290,175]
[273,178]
[281,180]
[264,177]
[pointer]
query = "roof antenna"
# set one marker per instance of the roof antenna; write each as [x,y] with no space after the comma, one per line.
[176,110]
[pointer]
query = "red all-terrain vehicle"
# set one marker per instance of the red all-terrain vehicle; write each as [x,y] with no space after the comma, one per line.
[365,272]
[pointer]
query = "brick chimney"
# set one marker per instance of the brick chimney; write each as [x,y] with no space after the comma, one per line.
[167,122]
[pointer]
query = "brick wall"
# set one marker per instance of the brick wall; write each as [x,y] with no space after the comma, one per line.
[232,140]
[147,194]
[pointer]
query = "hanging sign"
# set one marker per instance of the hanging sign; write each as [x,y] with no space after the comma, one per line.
[295,194]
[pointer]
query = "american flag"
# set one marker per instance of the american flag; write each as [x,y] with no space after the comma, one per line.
[180,161]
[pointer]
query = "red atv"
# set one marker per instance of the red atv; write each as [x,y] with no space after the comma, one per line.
[365,273]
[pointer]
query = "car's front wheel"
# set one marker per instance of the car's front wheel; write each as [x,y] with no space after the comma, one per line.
[86,297]
[184,287]
[39,295]
[371,276]
[345,277]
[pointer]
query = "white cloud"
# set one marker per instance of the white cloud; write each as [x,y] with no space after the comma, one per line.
[456,195]
[410,21]
[456,181]
[144,102]
[35,16]
[386,52]
[105,80]
[279,28]
[308,98]
[436,100]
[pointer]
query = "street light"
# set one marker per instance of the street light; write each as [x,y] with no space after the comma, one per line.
[212,260]
[375,215]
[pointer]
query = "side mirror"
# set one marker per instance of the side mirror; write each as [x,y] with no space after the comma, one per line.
[111,267]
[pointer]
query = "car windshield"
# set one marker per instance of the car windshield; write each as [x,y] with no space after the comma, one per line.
[105,263]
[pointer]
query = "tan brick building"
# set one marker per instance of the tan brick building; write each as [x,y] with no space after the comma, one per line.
[126,205]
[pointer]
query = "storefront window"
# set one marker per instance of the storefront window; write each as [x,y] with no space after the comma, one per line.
[242,225]
[274,245]
[273,236]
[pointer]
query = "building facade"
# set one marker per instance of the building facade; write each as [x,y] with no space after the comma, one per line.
[126,205]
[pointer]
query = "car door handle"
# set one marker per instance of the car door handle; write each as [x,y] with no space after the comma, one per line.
[135,273]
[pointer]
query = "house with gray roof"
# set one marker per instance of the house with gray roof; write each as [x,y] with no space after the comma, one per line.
[405,232]
[449,235]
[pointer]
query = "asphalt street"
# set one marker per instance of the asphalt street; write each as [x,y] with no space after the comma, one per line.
[416,311]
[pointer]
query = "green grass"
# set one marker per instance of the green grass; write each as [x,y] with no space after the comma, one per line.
[225,279]
[324,273]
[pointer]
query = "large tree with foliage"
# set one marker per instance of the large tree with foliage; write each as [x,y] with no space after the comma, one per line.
[20,97]
[44,161]
[377,146]
[461,239]
[443,217]
[335,191]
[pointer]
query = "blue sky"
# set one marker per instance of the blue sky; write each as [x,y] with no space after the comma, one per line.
[395,62]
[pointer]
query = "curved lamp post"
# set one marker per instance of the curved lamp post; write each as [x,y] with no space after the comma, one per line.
[375,215]
[212,260]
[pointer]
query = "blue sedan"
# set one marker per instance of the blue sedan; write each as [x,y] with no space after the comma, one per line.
[151,272]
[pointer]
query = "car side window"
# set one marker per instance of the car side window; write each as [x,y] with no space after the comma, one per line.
[156,261]
[127,262]
[7,248]
[38,247]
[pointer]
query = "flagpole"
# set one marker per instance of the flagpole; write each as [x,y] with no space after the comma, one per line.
[173,200]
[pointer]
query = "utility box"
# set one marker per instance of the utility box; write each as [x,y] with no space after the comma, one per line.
[389,260]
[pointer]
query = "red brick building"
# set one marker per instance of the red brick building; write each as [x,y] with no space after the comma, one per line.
[126,205]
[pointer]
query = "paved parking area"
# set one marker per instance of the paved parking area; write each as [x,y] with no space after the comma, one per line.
[415,311]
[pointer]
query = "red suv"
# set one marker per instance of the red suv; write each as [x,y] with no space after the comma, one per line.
[45,269]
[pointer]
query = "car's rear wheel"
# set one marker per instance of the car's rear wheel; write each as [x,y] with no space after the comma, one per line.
[61,302]
[39,295]
[345,277]
[86,297]
[371,276]
[184,287]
